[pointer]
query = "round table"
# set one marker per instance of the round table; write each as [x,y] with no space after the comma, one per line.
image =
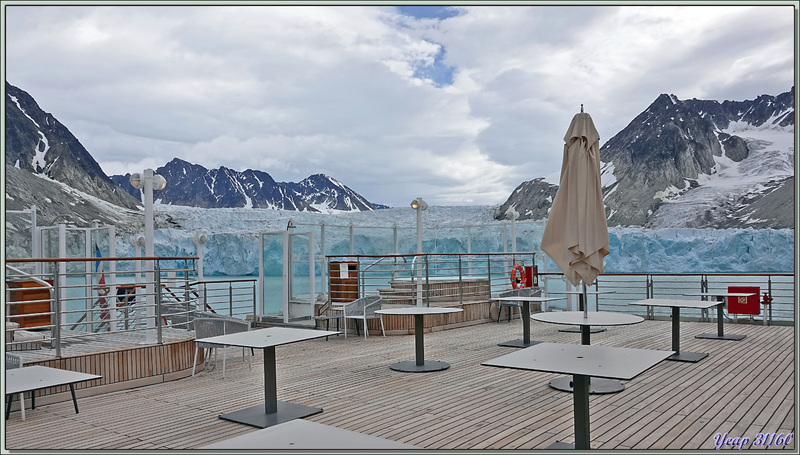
[581,303]
[585,321]
[420,365]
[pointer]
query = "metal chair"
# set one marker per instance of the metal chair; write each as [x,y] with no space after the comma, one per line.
[214,326]
[363,308]
[14,361]
[523,292]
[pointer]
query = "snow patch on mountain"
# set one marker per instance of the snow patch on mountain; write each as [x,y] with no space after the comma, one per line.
[771,159]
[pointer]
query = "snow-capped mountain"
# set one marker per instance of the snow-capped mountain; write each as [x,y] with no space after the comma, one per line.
[195,186]
[693,163]
[38,143]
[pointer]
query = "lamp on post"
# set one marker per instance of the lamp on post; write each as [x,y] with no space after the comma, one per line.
[419,205]
[512,215]
[148,181]
[199,239]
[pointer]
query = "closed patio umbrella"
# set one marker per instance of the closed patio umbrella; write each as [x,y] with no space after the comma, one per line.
[576,233]
[576,238]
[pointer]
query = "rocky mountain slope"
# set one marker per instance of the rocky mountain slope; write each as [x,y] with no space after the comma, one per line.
[38,143]
[693,163]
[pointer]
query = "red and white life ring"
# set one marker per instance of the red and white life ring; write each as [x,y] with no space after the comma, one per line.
[517,282]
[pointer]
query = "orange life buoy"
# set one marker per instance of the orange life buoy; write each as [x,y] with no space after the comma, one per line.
[517,282]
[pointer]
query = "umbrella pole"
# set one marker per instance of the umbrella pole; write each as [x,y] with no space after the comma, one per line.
[585,329]
[585,301]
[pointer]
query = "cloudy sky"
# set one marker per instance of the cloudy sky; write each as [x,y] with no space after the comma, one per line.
[458,105]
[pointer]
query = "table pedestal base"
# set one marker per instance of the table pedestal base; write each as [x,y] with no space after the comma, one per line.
[519,343]
[255,415]
[411,366]
[558,445]
[597,386]
[716,336]
[688,356]
[578,330]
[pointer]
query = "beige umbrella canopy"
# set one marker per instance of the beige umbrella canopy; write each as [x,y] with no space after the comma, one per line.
[576,234]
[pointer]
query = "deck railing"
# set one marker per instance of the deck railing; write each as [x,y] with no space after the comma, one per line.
[72,297]
[464,278]
[629,287]
[423,279]
[236,298]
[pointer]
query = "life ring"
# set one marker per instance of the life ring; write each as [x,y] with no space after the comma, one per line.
[517,282]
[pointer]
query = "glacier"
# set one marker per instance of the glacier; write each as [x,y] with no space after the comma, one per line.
[771,158]
[232,246]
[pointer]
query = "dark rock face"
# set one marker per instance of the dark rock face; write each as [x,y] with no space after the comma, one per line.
[532,199]
[36,142]
[195,186]
[661,154]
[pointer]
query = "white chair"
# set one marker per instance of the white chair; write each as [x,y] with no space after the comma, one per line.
[363,309]
[214,326]
[14,361]
[523,292]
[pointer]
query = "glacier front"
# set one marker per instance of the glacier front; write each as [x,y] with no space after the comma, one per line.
[232,247]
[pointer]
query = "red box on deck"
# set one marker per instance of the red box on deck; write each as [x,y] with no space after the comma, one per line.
[744,305]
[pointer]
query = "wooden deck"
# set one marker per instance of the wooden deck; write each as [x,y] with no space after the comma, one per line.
[743,388]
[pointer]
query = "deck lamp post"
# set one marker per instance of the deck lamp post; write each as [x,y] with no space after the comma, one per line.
[512,215]
[199,239]
[148,181]
[419,205]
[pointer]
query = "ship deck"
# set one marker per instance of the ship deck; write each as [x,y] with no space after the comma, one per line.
[742,389]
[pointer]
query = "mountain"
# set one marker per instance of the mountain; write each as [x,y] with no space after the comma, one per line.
[692,163]
[57,203]
[195,186]
[38,143]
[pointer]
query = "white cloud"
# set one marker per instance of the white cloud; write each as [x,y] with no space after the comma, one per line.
[352,91]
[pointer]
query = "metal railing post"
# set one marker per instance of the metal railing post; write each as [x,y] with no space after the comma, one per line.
[769,290]
[157,271]
[362,287]
[57,304]
[489,272]
[230,299]
[460,284]
[254,299]
[427,282]
[186,294]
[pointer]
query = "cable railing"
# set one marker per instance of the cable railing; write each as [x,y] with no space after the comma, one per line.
[72,298]
[431,279]
[628,287]
[423,279]
[235,298]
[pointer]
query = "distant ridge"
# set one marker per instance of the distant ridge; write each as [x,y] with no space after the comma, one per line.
[39,144]
[195,186]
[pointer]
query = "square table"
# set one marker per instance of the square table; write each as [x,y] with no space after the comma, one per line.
[721,296]
[676,305]
[30,379]
[526,319]
[419,365]
[582,362]
[302,434]
[585,320]
[272,412]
